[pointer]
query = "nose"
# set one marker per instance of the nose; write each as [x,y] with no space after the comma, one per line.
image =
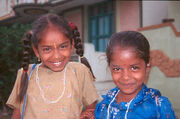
[126,74]
[56,54]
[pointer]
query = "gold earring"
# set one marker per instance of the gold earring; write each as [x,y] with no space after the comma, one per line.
[39,59]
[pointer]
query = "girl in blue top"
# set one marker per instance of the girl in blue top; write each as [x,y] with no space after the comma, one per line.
[128,56]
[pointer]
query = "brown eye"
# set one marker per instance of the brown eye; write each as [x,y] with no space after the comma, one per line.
[134,68]
[117,69]
[47,49]
[63,46]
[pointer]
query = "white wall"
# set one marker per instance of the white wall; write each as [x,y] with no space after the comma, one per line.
[98,62]
[164,39]
[174,12]
[5,7]
[100,69]
[154,12]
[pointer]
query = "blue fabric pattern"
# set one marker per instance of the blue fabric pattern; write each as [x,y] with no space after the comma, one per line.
[148,104]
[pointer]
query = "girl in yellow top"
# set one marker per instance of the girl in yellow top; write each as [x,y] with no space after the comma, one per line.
[55,88]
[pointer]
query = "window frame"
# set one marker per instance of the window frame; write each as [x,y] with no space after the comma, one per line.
[105,14]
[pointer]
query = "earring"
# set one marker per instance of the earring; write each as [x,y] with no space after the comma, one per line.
[39,60]
[148,65]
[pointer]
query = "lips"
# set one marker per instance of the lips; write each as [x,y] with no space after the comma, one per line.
[127,85]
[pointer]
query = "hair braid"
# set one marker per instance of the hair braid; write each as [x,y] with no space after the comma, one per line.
[25,65]
[77,42]
[79,47]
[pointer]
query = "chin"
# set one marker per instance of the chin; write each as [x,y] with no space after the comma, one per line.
[128,91]
[57,69]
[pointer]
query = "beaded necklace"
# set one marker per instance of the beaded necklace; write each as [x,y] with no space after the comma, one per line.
[41,91]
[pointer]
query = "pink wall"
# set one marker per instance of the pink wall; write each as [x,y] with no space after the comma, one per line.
[76,18]
[129,15]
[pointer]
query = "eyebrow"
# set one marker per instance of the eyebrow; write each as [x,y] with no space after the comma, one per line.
[115,65]
[135,64]
[45,46]
[65,43]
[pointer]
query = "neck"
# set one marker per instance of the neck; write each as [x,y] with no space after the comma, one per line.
[124,97]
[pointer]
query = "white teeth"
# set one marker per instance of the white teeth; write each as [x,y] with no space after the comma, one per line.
[57,63]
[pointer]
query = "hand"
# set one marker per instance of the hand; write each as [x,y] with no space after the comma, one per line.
[88,114]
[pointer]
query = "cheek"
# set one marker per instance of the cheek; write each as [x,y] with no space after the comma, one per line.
[44,57]
[139,76]
[116,77]
[66,53]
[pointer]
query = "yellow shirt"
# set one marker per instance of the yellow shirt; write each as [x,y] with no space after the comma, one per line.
[79,91]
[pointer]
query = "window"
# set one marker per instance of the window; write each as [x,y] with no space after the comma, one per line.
[101,24]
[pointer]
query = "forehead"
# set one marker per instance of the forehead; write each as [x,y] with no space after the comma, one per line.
[124,54]
[52,35]
[121,49]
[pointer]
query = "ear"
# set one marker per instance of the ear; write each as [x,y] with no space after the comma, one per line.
[148,67]
[35,51]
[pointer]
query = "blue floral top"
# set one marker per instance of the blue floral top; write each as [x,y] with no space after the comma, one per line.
[148,104]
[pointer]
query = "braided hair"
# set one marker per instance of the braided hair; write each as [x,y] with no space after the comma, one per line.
[34,37]
[25,65]
[79,47]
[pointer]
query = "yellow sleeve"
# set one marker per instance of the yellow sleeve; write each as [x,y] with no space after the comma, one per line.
[12,100]
[88,88]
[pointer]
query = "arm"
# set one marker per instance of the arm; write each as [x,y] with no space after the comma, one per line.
[91,106]
[88,113]
[89,92]
[16,114]
[166,110]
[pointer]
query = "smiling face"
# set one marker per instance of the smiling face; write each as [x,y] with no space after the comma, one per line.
[128,70]
[54,49]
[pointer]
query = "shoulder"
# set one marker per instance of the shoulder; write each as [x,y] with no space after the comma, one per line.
[163,101]
[156,94]
[150,92]
[79,67]
[165,108]
[30,66]
[20,71]
[109,95]
[76,65]
[102,106]
[81,71]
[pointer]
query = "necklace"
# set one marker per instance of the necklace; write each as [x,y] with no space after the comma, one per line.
[128,105]
[41,91]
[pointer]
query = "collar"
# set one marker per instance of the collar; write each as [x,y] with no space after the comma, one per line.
[142,96]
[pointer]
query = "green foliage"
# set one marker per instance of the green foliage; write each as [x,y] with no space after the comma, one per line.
[11,50]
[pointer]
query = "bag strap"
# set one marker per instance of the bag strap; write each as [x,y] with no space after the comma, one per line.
[25,96]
